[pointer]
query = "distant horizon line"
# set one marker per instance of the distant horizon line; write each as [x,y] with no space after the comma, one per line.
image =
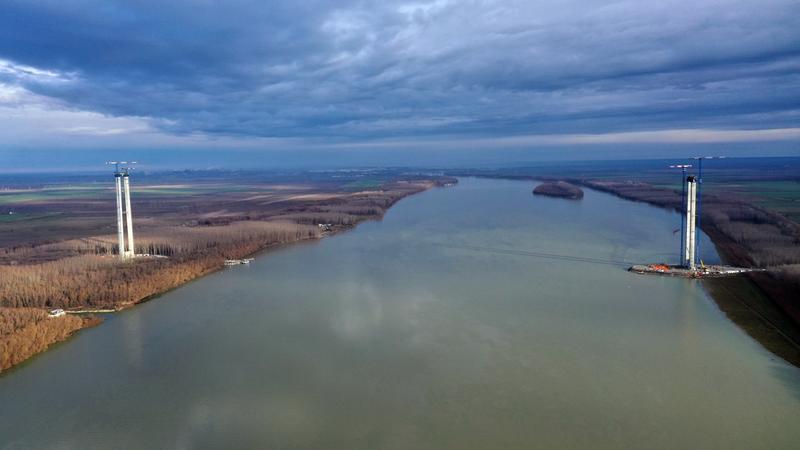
[169,168]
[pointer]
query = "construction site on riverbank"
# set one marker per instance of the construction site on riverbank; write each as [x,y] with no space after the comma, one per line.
[689,266]
[703,271]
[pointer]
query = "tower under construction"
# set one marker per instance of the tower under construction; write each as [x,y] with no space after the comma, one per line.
[690,213]
[690,234]
[124,212]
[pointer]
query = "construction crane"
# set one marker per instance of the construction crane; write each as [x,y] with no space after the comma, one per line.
[118,168]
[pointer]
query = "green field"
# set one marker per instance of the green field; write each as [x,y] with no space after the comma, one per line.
[363,185]
[97,192]
[10,218]
[50,194]
[781,196]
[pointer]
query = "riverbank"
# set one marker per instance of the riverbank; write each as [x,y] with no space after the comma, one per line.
[25,332]
[100,282]
[426,345]
[764,303]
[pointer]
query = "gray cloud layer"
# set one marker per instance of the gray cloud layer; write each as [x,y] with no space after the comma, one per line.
[379,69]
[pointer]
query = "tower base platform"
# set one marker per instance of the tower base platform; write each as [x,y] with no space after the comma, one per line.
[705,271]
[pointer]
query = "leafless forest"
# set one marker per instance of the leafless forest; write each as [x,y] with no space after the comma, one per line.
[560,189]
[25,332]
[95,278]
[83,272]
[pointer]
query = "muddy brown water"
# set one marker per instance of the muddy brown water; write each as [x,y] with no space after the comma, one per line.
[471,317]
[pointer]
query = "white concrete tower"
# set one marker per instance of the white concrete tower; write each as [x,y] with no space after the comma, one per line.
[131,252]
[120,226]
[689,247]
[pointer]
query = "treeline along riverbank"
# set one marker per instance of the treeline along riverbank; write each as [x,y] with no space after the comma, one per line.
[84,273]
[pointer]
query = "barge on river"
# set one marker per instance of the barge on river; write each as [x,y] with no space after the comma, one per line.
[703,271]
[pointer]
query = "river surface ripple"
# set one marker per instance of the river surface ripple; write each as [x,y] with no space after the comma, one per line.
[471,317]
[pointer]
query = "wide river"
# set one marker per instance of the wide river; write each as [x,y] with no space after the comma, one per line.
[471,317]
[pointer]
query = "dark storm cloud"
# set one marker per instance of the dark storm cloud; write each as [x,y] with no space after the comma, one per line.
[362,69]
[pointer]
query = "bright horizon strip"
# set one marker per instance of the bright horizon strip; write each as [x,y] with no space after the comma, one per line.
[674,136]
[688,135]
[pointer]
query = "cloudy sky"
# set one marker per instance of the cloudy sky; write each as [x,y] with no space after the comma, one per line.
[396,81]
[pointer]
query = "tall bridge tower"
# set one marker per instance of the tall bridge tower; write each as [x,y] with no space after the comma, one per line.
[124,212]
[690,235]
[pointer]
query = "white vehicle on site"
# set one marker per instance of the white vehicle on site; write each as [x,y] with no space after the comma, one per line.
[57,312]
